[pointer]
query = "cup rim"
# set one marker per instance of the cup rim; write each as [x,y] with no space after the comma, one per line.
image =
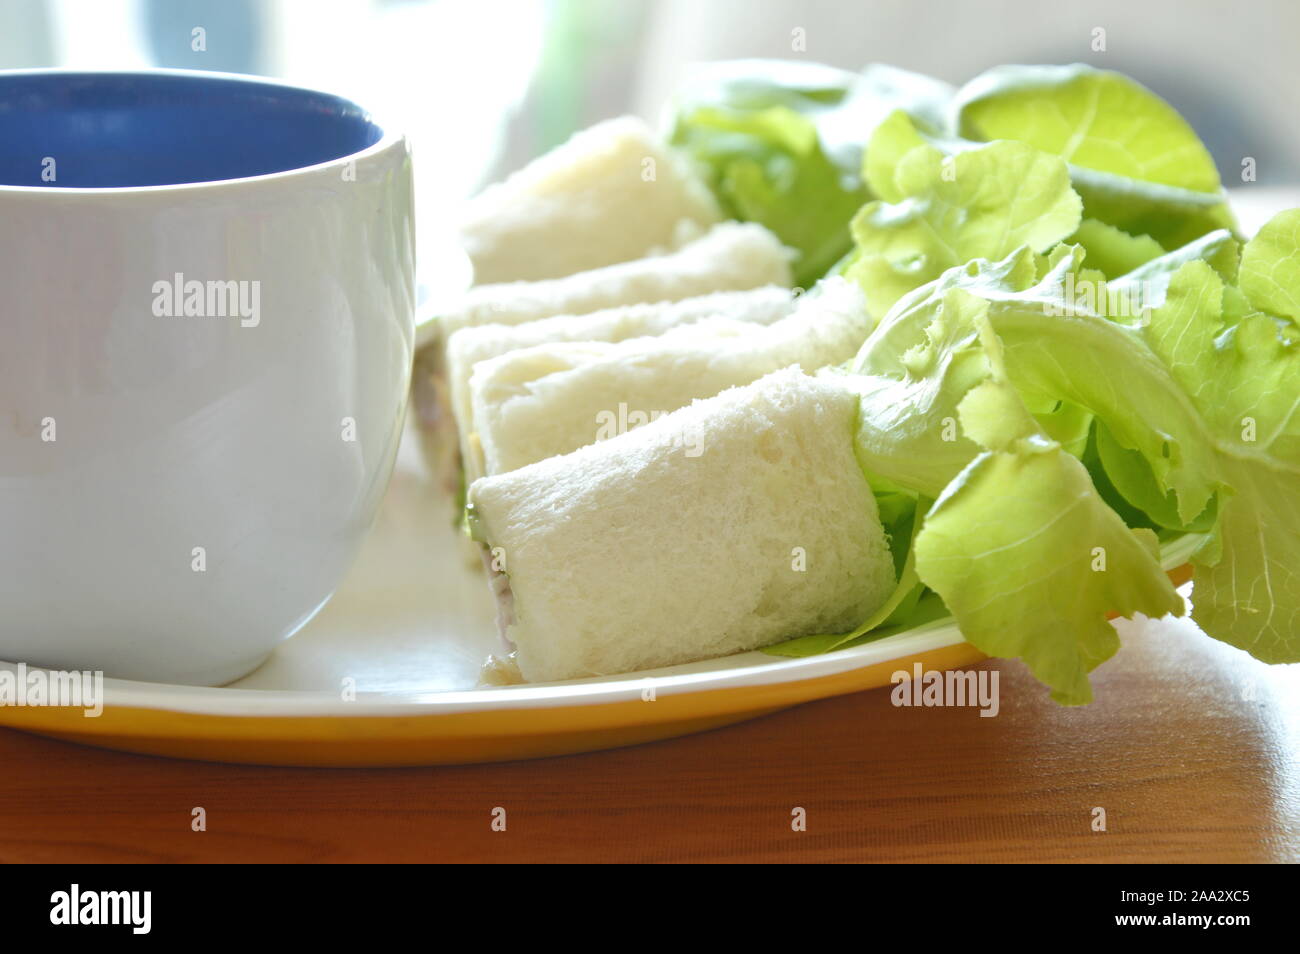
[389,136]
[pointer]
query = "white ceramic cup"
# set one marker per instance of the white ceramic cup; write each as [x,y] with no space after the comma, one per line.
[182,489]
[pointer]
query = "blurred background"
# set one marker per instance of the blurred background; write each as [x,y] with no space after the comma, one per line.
[481,86]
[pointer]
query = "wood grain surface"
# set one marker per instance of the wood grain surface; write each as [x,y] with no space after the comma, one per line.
[1192,749]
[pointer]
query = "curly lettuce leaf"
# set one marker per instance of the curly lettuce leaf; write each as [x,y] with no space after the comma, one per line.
[1245,380]
[769,167]
[950,209]
[844,106]
[1144,502]
[1199,398]
[1097,119]
[1113,251]
[1018,523]
[914,370]
[781,144]
[893,139]
[1029,558]
[1219,249]
[1171,216]
[1059,407]
[1270,266]
[1136,163]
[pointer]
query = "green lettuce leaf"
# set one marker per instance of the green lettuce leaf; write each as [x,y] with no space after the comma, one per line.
[1244,379]
[1136,163]
[1197,401]
[1270,266]
[1219,249]
[1113,251]
[844,106]
[1173,217]
[1019,532]
[1062,404]
[1028,556]
[769,167]
[893,139]
[781,143]
[1092,118]
[1131,477]
[949,209]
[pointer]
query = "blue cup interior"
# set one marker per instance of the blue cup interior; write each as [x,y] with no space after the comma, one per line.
[124,130]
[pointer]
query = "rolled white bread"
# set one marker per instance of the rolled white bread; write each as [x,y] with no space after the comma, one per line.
[534,403]
[612,193]
[469,346]
[728,525]
[731,256]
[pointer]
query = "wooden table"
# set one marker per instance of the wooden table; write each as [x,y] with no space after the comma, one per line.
[1192,749]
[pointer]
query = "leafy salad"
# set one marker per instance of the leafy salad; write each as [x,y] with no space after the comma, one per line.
[1081,374]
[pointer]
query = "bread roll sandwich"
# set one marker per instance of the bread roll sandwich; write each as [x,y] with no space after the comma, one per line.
[471,346]
[612,193]
[731,256]
[545,400]
[727,525]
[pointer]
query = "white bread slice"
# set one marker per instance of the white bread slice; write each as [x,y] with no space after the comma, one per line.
[683,539]
[729,257]
[469,346]
[612,193]
[538,402]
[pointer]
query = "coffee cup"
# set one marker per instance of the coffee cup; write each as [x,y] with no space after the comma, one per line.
[206,296]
